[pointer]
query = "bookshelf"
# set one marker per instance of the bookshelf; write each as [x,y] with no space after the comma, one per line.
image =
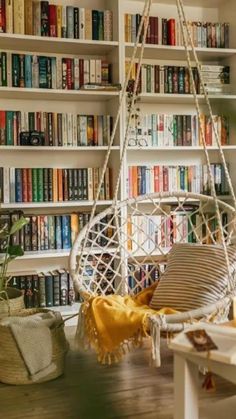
[116,52]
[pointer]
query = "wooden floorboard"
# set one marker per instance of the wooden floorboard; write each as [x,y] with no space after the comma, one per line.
[130,390]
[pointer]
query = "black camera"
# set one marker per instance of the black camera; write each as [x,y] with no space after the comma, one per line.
[32,138]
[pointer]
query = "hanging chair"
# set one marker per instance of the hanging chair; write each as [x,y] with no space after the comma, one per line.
[125,248]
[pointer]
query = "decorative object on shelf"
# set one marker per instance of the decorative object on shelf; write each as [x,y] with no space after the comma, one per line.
[202,230]
[11,300]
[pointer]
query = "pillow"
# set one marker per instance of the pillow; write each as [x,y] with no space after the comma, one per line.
[196,275]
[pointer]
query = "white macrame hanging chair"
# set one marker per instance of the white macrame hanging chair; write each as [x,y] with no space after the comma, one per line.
[102,259]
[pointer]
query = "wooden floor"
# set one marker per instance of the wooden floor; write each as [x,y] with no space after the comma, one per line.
[89,391]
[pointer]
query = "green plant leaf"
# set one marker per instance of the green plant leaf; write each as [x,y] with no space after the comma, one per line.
[15,251]
[18,225]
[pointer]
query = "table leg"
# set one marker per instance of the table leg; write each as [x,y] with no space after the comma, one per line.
[185,389]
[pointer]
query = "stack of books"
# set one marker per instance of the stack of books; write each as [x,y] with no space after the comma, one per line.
[164,130]
[149,179]
[44,18]
[45,289]
[216,78]
[162,31]
[58,129]
[52,185]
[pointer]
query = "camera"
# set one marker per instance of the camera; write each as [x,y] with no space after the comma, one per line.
[32,138]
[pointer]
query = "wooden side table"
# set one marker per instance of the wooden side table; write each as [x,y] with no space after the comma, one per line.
[186,376]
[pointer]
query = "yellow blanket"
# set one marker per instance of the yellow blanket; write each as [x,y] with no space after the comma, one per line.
[110,322]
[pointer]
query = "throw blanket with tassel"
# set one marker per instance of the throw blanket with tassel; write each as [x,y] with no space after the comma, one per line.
[109,323]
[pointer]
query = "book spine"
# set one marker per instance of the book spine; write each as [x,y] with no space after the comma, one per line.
[52,20]
[29,17]
[63,288]
[108,25]
[49,289]
[19,16]
[9,16]
[44,18]
[76,23]
[56,289]
[59,20]
[70,21]
[42,290]
[66,232]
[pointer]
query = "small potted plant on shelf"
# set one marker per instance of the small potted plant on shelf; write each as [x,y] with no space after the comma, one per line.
[11,299]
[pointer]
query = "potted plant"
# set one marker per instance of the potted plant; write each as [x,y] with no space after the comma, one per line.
[11,299]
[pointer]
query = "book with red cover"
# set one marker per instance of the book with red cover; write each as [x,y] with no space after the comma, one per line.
[29,185]
[152,29]
[52,20]
[81,72]
[156,179]
[69,78]
[2,127]
[2,16]
[157,79]
[156,23]
[171,32]
[24,185]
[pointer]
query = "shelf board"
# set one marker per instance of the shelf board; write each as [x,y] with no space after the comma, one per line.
[188,200]
[67,204]
[163,52]
[179,98]
[55,45]
[51,254]
[181,148]
[192,3]
[59,149]
[55,94]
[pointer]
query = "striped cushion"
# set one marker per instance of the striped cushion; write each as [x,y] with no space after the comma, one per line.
[196,275]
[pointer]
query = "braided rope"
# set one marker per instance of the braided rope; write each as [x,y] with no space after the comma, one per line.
[144,21]
[187,36]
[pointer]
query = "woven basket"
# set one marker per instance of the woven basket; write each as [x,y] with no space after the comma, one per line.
[13,305]
[12,366]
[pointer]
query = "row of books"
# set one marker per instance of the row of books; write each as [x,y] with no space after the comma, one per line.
[37,71]
[164,79]
[58,129]
[216,78]
[50,289]
[153,232]
[51,232]
[142,277]
[162,31]
[149,179]
[176,79]
[42,18]
[52,185]
[99,277]
[163,130]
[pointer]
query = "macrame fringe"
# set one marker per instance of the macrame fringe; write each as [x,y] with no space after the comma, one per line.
[87,337]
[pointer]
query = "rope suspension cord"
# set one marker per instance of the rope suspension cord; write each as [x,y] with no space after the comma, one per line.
[188,37]
[143,26]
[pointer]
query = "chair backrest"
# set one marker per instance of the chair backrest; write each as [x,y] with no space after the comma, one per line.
[125,247]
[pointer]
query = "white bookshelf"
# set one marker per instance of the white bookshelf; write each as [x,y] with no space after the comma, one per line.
[100,102]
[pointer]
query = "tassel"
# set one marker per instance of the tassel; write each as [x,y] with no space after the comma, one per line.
[209,382]
[155,333]
[81,339]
